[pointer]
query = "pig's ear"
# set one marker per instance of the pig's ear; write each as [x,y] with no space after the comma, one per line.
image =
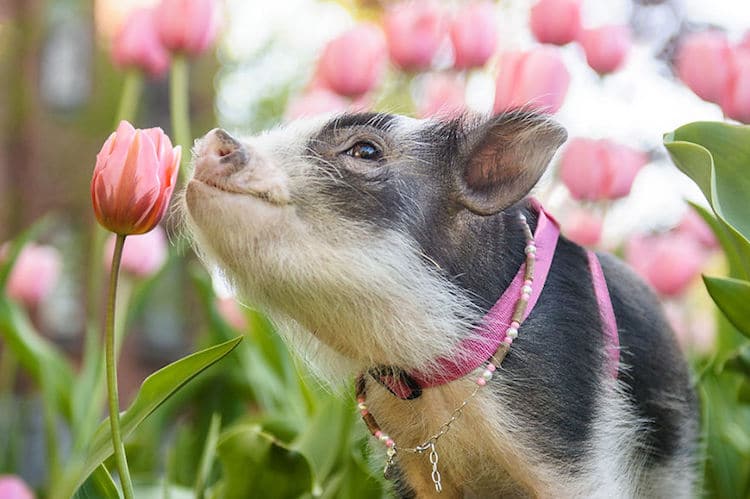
[503,159]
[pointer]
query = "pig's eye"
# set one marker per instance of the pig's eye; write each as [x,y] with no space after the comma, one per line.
[364,150]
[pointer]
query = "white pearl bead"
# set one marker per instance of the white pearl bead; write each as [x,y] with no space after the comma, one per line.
[526,289]
[530,249]
[361,406]
[384,437]
[487,375]
[512,333]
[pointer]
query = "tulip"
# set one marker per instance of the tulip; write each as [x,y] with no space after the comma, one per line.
[12,487]
[694,226]
[414,31]
[703,64]
[670,262]
[133,179]
[354,62]
[606,47]
[143,255]
[188,26]
[232,313]
[137,44]
[583,227]
[536,79]
[315,102]
[735,101]
[556,21]
[34,274]
[442,96]
[474,35]
[599,169]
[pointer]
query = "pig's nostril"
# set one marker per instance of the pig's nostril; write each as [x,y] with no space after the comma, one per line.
[223,143]
[224,151]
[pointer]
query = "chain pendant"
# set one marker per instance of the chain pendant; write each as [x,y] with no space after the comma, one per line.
[435,475]
[388,470]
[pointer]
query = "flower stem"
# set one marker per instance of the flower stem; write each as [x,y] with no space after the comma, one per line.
[131,94]
[179,106]
[111,368]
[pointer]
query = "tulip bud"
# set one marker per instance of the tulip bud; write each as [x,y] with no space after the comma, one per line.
[583,227]
[12,487]
[556,21]
[133,179]
[670,262]
[414,31]
[188,26]
[606,47]
[536,79]
[137,44]
[599,169]
[354,62]
[703,64]
[34,274]
[143,255]
[232,313]
[442,96]
[735,101]
[692,225]
[474,35]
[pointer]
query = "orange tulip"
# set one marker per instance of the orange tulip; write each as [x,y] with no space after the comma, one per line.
[133,180]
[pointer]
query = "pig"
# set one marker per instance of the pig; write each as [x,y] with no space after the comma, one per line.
[377,243]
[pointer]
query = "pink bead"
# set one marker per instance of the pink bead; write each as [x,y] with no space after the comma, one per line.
[515,324]
[528,282]
[360,400]
[508,340]
[364,412]
[491,368]
[378,434]
[481,381]
[525,297]
[531,256]
[389,443]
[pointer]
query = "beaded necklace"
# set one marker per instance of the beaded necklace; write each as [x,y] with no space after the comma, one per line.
[490,367]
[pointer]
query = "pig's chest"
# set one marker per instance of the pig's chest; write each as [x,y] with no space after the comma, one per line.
[478,453]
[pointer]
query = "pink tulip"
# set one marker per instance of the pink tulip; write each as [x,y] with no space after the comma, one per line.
[536,79]
[133,179]
[599,169]
[735,102]
[314,102]
[583,227]
[34,274]
[354,62]
[143,254]
[137,44]
[232,313]
[474,35]
[703,64]
[443,96]
[414,31]
[12,487]
[670,262]
[606,47]
[188,26]
[694,226]
[556,21]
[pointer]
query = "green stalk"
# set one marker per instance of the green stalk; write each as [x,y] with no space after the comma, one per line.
[111,369]
[179,107]
[131,94]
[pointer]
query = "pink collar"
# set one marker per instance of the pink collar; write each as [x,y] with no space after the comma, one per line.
[476,350]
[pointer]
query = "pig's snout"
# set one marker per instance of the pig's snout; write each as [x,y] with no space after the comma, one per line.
[229,151]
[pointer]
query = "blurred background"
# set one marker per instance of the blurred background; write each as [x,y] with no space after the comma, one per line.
[617,74]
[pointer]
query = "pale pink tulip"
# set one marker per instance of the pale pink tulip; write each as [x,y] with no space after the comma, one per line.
[133,179]
[34,274]
[354,62]
[315,102]
[143,254]
[693,225]
[443,96]
[606,48]
[599,169]
[583,227]
[670,262]
[414,30]
[735,102]
[704,64]
[556,21]
[536,79]
[232,313]
[12,487]
[188,26]
[137,44]
[474,35]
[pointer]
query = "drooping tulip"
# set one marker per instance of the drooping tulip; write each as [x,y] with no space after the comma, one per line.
[143,255]
[606,47]
[188,26]
[583,227]
[735,102]
[669,262]
[34,274]
[474,35]
[354,62]
[12,487]
[414,31]
[703,63]
[599,169]
[133,179]
[537,79]
[694,226]
[556,21]
[137,44]
[442,96]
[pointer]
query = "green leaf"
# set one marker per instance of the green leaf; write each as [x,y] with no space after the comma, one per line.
[208,456]
[732,296]
[253,463]
[154,391]
[98,486]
